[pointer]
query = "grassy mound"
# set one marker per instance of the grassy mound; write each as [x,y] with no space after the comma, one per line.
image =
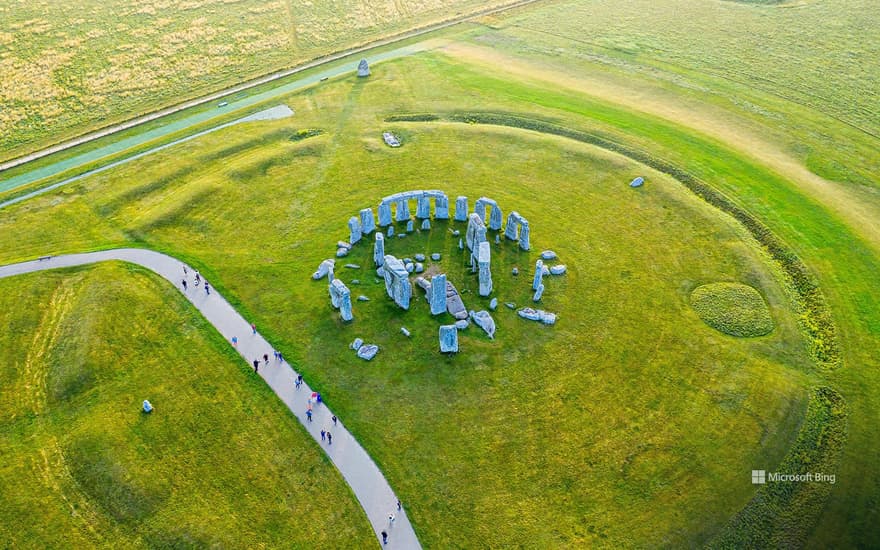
[733,308]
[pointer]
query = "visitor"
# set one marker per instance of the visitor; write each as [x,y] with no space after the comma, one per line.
[256,365]
[323,435]
[390,519]
[184,285]
[198,277]
[254,327]
[309,414]
[333,418]
[266,358]
[329,438]
[184,270]
[399,507]
[207,290]
[235,341]
[384,537]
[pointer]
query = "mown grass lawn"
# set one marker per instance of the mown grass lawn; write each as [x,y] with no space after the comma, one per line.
[220,461]
[630,422]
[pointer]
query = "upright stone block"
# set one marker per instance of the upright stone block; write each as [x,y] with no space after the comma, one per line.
[483,260]
[379,250]
[397,283]
[423,206]
[402,214]
[480,208]
[384,214]
[461,209]
[441,207]
[511,230]
[340,297]
[368,222]
[539,275]
[476,232]
[495,218]
[438,294]
[524,235]
[354,227]
[363,68]
[448,339]
[426,225]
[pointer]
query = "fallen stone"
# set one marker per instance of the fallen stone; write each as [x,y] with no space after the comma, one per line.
[435,256]
[484,320]
[363,298]
[407,260]
[420,267]
[380,272]
[515,271]
[356,345]
[462,324]
[638,182]
[401,235]
[448,339]
[497,239]
[460,244]
[493,305]
[420,257]
[355,281]
[538,293]
[323,269]
[404,331]
[391,231]
[511,305]
[548,255]
[545,270]
[352,266]
[410,267]
[537,315]
[368,351]
[341,252]
[557,269]
[343,244]
[456,232]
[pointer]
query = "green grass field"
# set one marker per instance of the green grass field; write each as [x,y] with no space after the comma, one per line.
[631,422]
[220,462]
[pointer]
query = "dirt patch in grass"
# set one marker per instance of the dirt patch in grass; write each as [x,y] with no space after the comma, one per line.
[733,308]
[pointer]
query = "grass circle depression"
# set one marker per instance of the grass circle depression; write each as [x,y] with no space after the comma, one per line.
[733,308]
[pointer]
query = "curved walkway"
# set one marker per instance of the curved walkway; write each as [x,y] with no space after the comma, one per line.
[360,472]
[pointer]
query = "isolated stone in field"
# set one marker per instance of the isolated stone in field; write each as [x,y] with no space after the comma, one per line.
[355,281]
[638,182]
[448,339]
[493,305]
[462,324]
[461,209]
[510,305]
[356,345]
[354,227]
[484,258]
[435,256]
[537,315]
[397,281]
[426,225]
[515,271]
[409,226]
[390,139]
[558,269]
[323,269]
[419,257]
[363,298]
[438,294]
[379,249]
[539,274]
[548,255]
[404,331]
[538,293]
[368,222]
[484,320]
[363,68]
[368,351]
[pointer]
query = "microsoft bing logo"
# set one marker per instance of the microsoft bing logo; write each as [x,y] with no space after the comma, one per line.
[759,477]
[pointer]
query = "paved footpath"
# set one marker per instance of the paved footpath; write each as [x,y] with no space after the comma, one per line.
[360,472]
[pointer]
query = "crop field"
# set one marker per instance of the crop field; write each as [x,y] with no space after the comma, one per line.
[70,68]
[723,318]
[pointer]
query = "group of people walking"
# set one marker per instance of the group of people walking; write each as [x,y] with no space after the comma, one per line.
[198,280]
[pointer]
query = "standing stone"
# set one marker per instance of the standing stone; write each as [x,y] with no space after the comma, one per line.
[435,256]
[402,210]
[483,259]
[354,226]
[495,218]
[493,305]
[426,225]
[409,226]
[497,239]
[391,231]
[438,294]
[460,244]
[363,68]
[461,209]
[476,232]
[423,206]
[539,274]
[448,339]
[524,235]
[379,249]
[368,222]
[538,293]
[512,228]
[340,297]
[441,207]
[397,281]
[384,214]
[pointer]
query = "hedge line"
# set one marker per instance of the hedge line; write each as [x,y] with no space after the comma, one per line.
[815,318]
[413,117]
[783,513]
